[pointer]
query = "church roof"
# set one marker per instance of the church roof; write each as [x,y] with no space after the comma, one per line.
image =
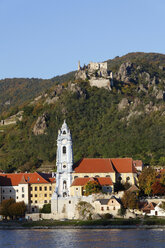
[104,165]
[82,181]
[123,165]
[93,165]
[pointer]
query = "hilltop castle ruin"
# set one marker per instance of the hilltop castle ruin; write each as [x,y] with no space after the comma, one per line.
[97,74]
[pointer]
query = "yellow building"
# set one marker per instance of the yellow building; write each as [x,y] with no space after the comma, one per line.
[35,189]
[42,187]
[78,186]
[116,169]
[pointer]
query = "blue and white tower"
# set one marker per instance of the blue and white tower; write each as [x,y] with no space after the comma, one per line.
[64,162]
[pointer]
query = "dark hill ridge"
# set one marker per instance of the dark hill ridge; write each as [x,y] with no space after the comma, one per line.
[156,59]
[18,91]
[127,121]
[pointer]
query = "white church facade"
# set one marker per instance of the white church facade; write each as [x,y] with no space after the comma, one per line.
[64,162]
[71,178]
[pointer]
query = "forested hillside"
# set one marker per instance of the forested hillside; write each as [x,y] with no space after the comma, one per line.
[127,121]
[16,92]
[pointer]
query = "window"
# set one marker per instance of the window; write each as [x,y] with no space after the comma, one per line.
[76,188]
[45,188]
[97,176]
[3,191]
[102,209]
[31,195]
[45,195]
[40,188]
[107,208]
[64,132]
[114,208]
[10,190]
[31,188]
[85,176]
[50,188]
[107,175]
[128,178]
[32,209]
[35,201]
[64,184]
[17,197]
[75,177]
[36,195]
[22,189]
[31,201]
[64,194]
[35,188]
[22,195]
[64,149]
[45,201]
[3,197]
[64,166]
[69,202]
[17,190]
[50,195]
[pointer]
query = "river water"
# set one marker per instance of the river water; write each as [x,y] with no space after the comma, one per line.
[82,238]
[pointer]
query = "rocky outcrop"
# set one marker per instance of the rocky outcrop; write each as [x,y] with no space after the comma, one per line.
[40,125]
[124,72]
[124,103]
[51,100]
[81,75]
[12,119]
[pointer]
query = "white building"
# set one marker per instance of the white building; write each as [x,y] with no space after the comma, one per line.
[64,162]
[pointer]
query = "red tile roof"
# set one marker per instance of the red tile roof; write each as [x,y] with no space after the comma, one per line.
[138,163]
[17,178]
[93,165]
[101,180]
[104,165]
[123,165]
[150,206]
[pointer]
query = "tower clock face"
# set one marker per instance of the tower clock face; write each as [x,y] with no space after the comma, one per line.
[64,141]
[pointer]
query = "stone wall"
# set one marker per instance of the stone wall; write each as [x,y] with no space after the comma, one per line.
[100,82]
[97,66]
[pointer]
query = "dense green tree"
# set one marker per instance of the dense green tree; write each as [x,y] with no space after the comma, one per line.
[92,187]
[146,179]
[46,208]
[5,207]
[130,200]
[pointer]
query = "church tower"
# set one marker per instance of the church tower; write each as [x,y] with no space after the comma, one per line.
[64,162]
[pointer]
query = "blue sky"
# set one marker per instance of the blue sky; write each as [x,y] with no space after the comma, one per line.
[45,38]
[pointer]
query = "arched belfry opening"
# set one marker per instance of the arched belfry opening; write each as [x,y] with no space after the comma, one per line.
[64,149]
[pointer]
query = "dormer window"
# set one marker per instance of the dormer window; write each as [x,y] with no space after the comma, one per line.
[64,132]
[64,149]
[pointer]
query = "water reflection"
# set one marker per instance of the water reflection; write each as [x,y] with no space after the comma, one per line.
[82,238]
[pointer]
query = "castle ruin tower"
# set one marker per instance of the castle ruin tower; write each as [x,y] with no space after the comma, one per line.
[79,67]
[64,162]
